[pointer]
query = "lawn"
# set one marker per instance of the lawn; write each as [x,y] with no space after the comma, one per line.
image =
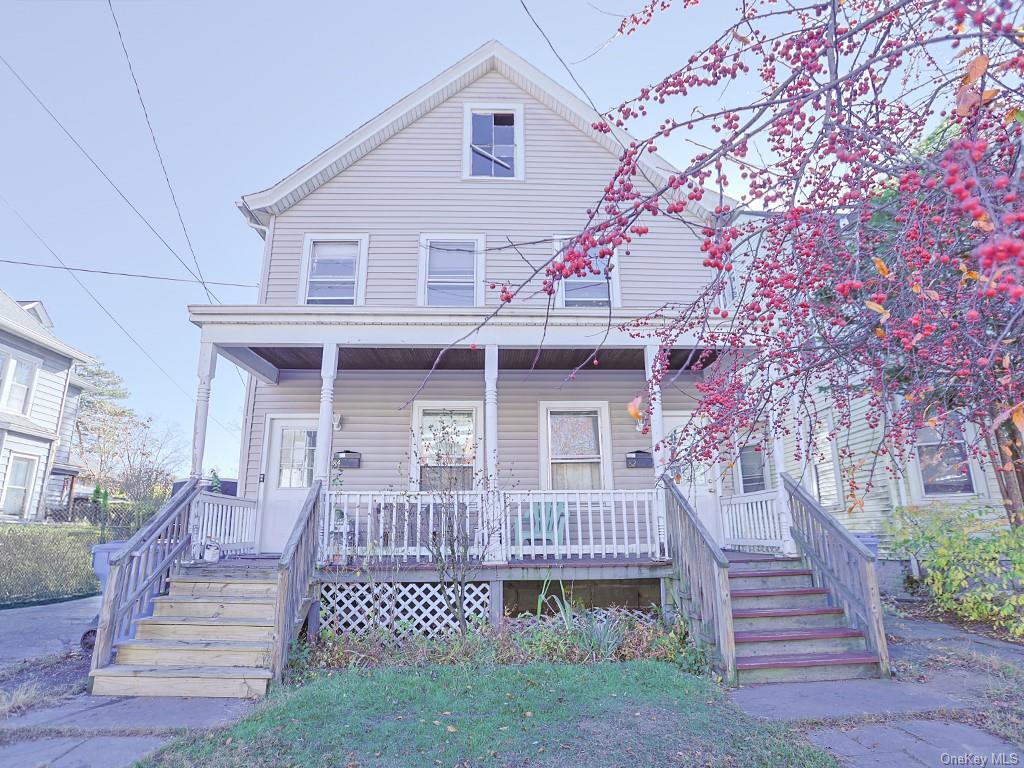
[610,714]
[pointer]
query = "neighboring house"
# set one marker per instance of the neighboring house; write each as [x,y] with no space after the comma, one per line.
[39,397]
[380,253]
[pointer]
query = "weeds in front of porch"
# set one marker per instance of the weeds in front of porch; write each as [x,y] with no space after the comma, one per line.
[20,699]
[550,715]
[573,637]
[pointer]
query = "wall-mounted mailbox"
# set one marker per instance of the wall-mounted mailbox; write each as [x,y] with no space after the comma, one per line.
[639,460]
[348,459]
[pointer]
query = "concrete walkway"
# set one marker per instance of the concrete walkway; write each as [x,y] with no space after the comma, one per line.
[107,732]
[44,630]
[866,723]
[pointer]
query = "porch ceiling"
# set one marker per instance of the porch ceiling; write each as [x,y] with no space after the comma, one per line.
[422,358]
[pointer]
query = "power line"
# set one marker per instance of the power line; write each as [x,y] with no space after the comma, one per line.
[124,274]
[106,311]
[163,166]
[96,165]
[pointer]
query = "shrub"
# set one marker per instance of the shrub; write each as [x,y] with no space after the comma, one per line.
[973,566]
[46,562]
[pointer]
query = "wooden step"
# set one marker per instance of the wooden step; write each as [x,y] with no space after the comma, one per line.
[199,628]
[767,579]
[200,653]
[783,597]
[775,642]
[800,667]
[785,618]
[142,680]
[224,587]
[751,563]
[210,606]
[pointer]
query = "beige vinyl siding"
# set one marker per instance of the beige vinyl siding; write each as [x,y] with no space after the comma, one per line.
[26,446]
[377,425]
[49,388]
[412,184]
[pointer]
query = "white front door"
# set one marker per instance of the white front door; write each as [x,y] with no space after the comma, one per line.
[695,482]
[287,477]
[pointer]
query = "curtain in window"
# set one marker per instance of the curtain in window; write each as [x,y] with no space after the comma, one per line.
[575,450]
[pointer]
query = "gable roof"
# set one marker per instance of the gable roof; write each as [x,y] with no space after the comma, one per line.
[258,207]
[19,321]
[35,308]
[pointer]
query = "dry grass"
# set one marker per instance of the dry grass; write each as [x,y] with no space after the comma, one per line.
[22,698]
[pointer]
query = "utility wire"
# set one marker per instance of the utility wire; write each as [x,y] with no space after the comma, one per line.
[163,166]
[107,312]
[96,165]
[123,274]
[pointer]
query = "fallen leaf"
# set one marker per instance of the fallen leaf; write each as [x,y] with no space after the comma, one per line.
[452,729]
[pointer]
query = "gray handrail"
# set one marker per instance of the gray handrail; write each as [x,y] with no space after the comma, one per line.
[795,489]
[716,551]
[300,523]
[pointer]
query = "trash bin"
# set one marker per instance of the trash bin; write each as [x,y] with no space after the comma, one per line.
[101,554]
[870,542]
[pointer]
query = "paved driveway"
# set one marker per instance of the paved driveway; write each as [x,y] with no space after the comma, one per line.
[44,630]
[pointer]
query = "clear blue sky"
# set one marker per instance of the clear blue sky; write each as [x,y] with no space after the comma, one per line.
[240,94]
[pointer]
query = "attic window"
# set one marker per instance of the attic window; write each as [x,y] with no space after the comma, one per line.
[494,142]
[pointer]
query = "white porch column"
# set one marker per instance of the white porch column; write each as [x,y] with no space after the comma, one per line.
[657,420]
[325,427]
[491,414]
[785,516]
[207,368]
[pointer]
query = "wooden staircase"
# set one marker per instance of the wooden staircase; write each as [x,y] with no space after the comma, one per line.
[211,635]
[786,629]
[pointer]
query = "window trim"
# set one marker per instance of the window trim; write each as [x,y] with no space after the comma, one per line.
[604,430]
[614,286]
[30,489]
[980,487]
[7,378]
[418,407]
[479,265]
[363,238]
[516,108]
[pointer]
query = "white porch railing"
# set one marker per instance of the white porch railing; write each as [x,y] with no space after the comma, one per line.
[752,520]
[499,526]
[227,520]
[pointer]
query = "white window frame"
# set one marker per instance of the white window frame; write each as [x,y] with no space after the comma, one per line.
[614,289]
[362,238]
[544,408]
[479,264]
[516,109]
[418,407]
[31,489]
[738,473]
[7,374]
[977,475]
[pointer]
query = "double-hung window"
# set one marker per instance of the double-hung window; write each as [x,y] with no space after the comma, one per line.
[451,270]
[334,270]
[17,379]
[588,290]
[446,448]
[943,463]
[493,141]
[752,475]
[18,482]
[576,447]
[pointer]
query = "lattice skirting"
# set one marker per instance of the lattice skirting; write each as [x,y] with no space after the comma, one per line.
[413,608]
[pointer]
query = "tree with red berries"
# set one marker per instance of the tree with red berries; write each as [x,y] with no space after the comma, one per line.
[862,218]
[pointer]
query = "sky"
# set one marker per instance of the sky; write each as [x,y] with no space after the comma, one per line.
[240,93]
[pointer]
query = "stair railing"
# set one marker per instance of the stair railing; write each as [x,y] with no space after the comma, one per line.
[841,564]
[295,572]
[140,570]
[701,571]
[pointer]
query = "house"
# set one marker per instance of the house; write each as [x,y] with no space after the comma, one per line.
[379,337]
[39,397]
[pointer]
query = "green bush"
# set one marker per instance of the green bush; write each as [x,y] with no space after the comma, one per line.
[973,566]
[41,562]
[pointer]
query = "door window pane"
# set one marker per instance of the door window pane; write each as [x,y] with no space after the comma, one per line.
[451,273]
[295,468]
[574,445]
[447,450]
[752,470]
[332,273]
[945,468]
[18,484]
